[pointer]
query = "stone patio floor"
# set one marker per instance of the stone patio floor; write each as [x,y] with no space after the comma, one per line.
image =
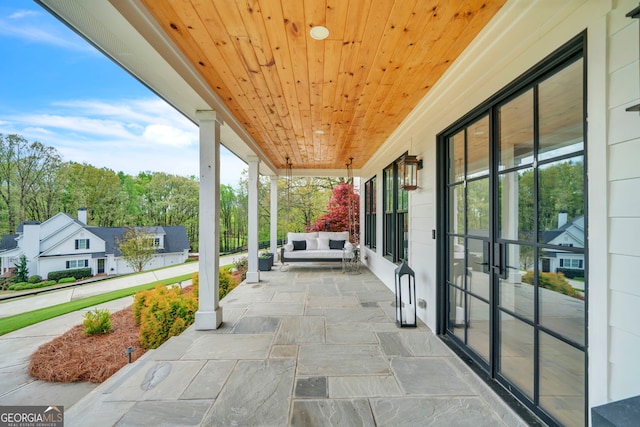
[309,346]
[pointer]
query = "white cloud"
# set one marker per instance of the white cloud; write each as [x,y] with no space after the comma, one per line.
[123,135]
[39,130]
[82,125]
[23,13]
[168,135]
[37,27]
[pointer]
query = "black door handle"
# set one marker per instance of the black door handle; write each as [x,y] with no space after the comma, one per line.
[500,256]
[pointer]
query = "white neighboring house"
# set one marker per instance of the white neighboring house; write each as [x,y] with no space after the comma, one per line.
[65,243]
[569,234]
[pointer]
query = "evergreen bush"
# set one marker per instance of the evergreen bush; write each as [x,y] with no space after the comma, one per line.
[35,279]
[21,286]
[163,312]
[22,271]
[97,322]
[77,273]
[139,301]
[195,284]
[553,281]
[18,286]
[226,283]
[571,273]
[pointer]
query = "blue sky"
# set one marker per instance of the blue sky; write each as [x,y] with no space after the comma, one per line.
[57,89]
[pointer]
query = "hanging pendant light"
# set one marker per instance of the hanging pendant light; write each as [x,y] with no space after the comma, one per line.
[351,209]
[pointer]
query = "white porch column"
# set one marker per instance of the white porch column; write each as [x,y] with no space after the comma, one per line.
[209,314]
[253,275]
[274,217]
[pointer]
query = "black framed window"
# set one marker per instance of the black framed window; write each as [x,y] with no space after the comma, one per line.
[396,215]
[82,243]
[515,212]
[77,263]
[370,213]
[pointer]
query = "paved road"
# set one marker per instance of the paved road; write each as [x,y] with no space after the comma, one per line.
[34,302]
[11,307]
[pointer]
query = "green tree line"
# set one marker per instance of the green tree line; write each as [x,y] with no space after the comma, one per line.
[36,183]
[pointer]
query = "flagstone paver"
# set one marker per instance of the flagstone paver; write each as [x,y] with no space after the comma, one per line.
[308,345]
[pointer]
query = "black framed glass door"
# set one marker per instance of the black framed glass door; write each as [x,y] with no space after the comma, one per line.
[515,254]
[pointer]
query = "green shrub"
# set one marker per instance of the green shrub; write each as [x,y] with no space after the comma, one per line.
[553,281]
[21,286]
[35,279]
[195,284]
[77,273]
[179,325]
[163,312]
[18,286]
[571,273]
[67,280]
[139,301]
[22,271]
[226,283]
[97,322]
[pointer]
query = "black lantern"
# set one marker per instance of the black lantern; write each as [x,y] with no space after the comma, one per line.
[408,167]
[405,296]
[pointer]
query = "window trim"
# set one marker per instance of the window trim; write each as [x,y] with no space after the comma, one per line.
[370,214]
[394,246]
[77,244]
[85,263]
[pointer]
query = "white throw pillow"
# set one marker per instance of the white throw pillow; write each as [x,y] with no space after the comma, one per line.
[288,247]
[323,244]
[312,244]
[301,236]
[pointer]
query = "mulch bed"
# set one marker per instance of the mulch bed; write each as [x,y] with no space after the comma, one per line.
[75,356]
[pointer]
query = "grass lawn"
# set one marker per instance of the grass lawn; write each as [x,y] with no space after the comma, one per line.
[18,321]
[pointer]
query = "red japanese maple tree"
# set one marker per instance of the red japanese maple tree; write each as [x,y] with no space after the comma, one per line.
[337,216]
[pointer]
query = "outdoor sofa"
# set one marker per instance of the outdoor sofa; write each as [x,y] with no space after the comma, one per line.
[319,246]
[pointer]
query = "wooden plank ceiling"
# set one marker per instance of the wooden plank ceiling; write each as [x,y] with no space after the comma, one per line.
[322,102]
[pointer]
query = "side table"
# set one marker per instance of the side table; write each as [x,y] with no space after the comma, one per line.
[351,264]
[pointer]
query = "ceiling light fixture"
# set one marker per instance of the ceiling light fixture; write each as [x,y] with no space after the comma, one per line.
[319,132]
[319,32]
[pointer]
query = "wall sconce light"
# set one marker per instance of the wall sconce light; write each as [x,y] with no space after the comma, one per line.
[635,13]
[408,167]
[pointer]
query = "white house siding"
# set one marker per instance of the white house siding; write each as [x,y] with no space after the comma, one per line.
[522,34]
[624,204]
[158,261]
[122,267]
[56,256]
[47,265]
[165,260]
[55,229]
[67,246]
